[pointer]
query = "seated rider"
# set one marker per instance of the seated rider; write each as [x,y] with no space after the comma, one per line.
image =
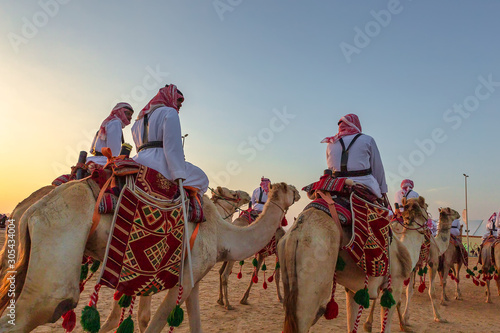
[158,140]
[352,154]
[110,133]
[455,228]
[491,226]
[406,191]
[259,196]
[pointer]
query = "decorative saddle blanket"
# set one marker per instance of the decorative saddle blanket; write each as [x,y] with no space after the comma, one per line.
[341,205]
[425,248]
[145,246]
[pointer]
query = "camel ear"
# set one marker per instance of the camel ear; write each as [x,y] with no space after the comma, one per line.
[421,202]
[219,189]
[440,209]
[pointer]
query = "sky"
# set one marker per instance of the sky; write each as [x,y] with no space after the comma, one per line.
[264,82]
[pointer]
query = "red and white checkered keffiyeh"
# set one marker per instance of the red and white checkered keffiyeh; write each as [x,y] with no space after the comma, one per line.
[493,218]
[167,96]
[406,186]
[264,184]
[348,125]
[118,112]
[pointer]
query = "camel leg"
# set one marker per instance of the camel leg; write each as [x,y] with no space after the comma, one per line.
[409,293]
[389,312]
[368,325]
[277,278]
[221,272]
[113,319]
[446,269]
[225,282]
[402,325]
[144,312]
[260,259]
[352,309]
[432,294]
[47,294]
[193,309]
[458,295]
[488,291]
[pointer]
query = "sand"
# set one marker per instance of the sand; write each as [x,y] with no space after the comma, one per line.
[265,313]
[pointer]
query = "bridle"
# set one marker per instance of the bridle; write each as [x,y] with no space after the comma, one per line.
[284,210]
[229,200]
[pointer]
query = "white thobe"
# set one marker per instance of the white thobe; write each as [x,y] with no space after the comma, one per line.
[398,198]
[165,126]
[455,228]
[363,155]
[255,199]
[113,140]
[490,226]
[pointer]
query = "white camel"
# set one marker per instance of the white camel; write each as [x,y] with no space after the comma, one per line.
[53,236]
[309,253]
[227,203]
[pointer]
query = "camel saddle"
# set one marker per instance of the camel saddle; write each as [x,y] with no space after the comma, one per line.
[361,216]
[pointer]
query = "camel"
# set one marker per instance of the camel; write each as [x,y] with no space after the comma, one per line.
[450,259]
[16,216]
[313,245]
[490,258]
[49,262]
[438,245]
[227,267]
[227,202]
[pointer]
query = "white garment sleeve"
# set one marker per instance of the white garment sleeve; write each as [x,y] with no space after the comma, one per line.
[114,136]
[172,145]
[377,167]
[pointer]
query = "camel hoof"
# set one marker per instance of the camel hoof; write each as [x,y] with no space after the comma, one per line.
[446,298]
[220,302]
[458,298]
[404,328]
[281,300]
[244,302]
[229,307]
[489,301]
[368,327]
[440,320]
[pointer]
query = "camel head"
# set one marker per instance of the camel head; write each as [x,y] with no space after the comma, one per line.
[446,217]
[284,195]
[415,211]
[223,193]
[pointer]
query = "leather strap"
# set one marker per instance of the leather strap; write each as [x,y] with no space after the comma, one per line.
[333,211]
[345,153]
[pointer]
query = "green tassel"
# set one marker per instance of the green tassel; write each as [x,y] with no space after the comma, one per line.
[90,320]
[425,270]
[242,262]
[264,267]
[95,266]
[255,262]
[469,271]
[176,317]
[362,298]
[480,271]
[475,268]
[340,264]
[127,326]
[277,265]
[387,300]
[84,271]
[420,271]
[125,301]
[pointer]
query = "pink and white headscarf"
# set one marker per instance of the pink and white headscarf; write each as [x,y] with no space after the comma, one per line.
[348,125]
[264,184]
[493,218]
[167,96]
[407,185]
[118,112]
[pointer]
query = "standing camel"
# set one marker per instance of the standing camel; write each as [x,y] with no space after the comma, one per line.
[48,269]
[227,202]
[453,259]
[490,259]
[309,253]
[438,244]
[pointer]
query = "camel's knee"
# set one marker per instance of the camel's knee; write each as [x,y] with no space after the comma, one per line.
[143,318]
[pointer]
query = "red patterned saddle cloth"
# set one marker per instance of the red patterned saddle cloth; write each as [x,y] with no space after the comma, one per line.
[425,248]
[370,240]
[145,248]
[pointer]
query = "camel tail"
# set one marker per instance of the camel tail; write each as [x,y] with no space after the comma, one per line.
[290,285]
[13,280]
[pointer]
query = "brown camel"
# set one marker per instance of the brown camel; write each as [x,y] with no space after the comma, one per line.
[451,259]
[49,258]
[490,259]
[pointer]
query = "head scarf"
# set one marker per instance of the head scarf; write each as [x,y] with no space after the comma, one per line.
[264,184]
[493,218]
[406,186]
[118,112]
[167,96]
[348,125]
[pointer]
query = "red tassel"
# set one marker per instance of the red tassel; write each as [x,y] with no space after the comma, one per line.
[255,279]
[332,310]
[406,282]
[270,279]
[421,288]
[483,284]
[476,282]
[117,295]
[69,321]
[264,285]
[284,222]
[239,276]
[467,276]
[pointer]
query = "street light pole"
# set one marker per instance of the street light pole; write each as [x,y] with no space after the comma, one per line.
[466,214]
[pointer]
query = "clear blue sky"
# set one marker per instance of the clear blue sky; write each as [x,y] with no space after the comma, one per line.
[264,83]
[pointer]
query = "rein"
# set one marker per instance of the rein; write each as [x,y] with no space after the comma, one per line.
[228,200]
